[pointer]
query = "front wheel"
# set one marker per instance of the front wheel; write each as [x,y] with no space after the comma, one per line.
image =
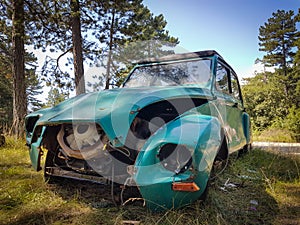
[49,162]
[219,165]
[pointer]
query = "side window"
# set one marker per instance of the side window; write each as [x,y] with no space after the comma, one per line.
[222,79]
[235,90]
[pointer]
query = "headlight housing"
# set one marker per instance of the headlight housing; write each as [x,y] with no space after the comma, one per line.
[176,158]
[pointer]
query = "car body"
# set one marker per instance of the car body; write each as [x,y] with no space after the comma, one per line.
[161,131]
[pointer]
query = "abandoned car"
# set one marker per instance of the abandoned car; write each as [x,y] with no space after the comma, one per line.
[162,131]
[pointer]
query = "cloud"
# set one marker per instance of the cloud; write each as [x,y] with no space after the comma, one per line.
[254,69]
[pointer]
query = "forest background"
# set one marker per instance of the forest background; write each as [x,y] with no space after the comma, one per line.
[107,34]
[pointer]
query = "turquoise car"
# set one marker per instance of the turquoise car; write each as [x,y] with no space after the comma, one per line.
[162,132]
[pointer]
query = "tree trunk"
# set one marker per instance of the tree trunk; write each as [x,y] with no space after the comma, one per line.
[284,65]
[284,54]
[109,60]
[77,47]
[18,69]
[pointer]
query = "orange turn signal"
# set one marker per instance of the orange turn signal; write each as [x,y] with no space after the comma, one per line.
[185,186]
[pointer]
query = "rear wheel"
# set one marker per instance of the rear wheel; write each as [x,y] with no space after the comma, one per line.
[247,148]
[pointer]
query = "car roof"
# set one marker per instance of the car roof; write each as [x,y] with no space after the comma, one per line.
[181,56]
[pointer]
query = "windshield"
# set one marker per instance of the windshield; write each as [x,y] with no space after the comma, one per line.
[193,72]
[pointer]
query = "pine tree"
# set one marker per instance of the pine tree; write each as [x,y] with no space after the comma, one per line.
[10,85]
[112,18]
[33,83]
[296,67]
[58,25]
[55,96]
[277,38]
[6,100]
[18,70]
[272,98]
[77,47]
[145,37]
[6,90]
[129,32]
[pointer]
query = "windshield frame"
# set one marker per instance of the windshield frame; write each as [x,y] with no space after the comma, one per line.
[151,64]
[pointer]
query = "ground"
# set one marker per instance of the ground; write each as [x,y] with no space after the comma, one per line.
[258,188]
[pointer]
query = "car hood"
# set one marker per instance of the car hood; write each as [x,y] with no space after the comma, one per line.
[114,109]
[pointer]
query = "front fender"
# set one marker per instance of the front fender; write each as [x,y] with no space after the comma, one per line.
[35,147]
[201,134]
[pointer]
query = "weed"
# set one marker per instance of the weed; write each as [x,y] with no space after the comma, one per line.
[259,188]
[275,135]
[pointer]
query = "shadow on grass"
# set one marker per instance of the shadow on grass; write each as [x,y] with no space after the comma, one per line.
[84,191]
[243,194]
[38,217]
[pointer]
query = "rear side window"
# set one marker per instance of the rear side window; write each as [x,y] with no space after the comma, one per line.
[235,90]
[222,79]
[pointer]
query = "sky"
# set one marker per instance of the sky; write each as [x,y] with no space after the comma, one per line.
[231,27]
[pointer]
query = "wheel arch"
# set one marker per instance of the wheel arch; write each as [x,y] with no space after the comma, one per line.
[223,152]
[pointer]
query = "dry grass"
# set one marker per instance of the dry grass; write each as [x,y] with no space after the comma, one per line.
[262,188]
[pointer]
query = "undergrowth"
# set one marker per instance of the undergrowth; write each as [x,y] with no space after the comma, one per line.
[259,188]
[275,135]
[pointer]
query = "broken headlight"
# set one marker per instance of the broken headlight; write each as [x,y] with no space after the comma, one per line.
[176,158]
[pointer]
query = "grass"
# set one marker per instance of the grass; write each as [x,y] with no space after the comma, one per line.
[275,135]
[262,188]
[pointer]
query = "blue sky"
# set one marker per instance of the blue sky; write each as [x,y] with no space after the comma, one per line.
[229,26]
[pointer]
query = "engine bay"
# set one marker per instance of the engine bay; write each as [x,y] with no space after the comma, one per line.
[83,147]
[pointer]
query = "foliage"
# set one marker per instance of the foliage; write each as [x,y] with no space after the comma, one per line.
[292,121]
[128,31]
[49,27]
[273,98]
[146,37]
[270,107]
[32,82]
[5,98]
[265,99]
[55,96]
[105,26]
[115,15]
[277,38]
[5,72]
[266,192]
[58,26]
[116,33]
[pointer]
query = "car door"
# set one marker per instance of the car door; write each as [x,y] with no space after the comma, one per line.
[230,105]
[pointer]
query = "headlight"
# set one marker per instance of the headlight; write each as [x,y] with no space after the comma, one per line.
[176,158]
[30,123]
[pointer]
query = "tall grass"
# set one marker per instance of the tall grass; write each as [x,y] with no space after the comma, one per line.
[259,188]
[275,135]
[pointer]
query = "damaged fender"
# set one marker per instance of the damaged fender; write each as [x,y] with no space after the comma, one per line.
[200,135]
[35,148]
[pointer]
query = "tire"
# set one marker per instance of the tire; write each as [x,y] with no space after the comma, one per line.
[49,162]
[221,160]
[246,149]
[204,195]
